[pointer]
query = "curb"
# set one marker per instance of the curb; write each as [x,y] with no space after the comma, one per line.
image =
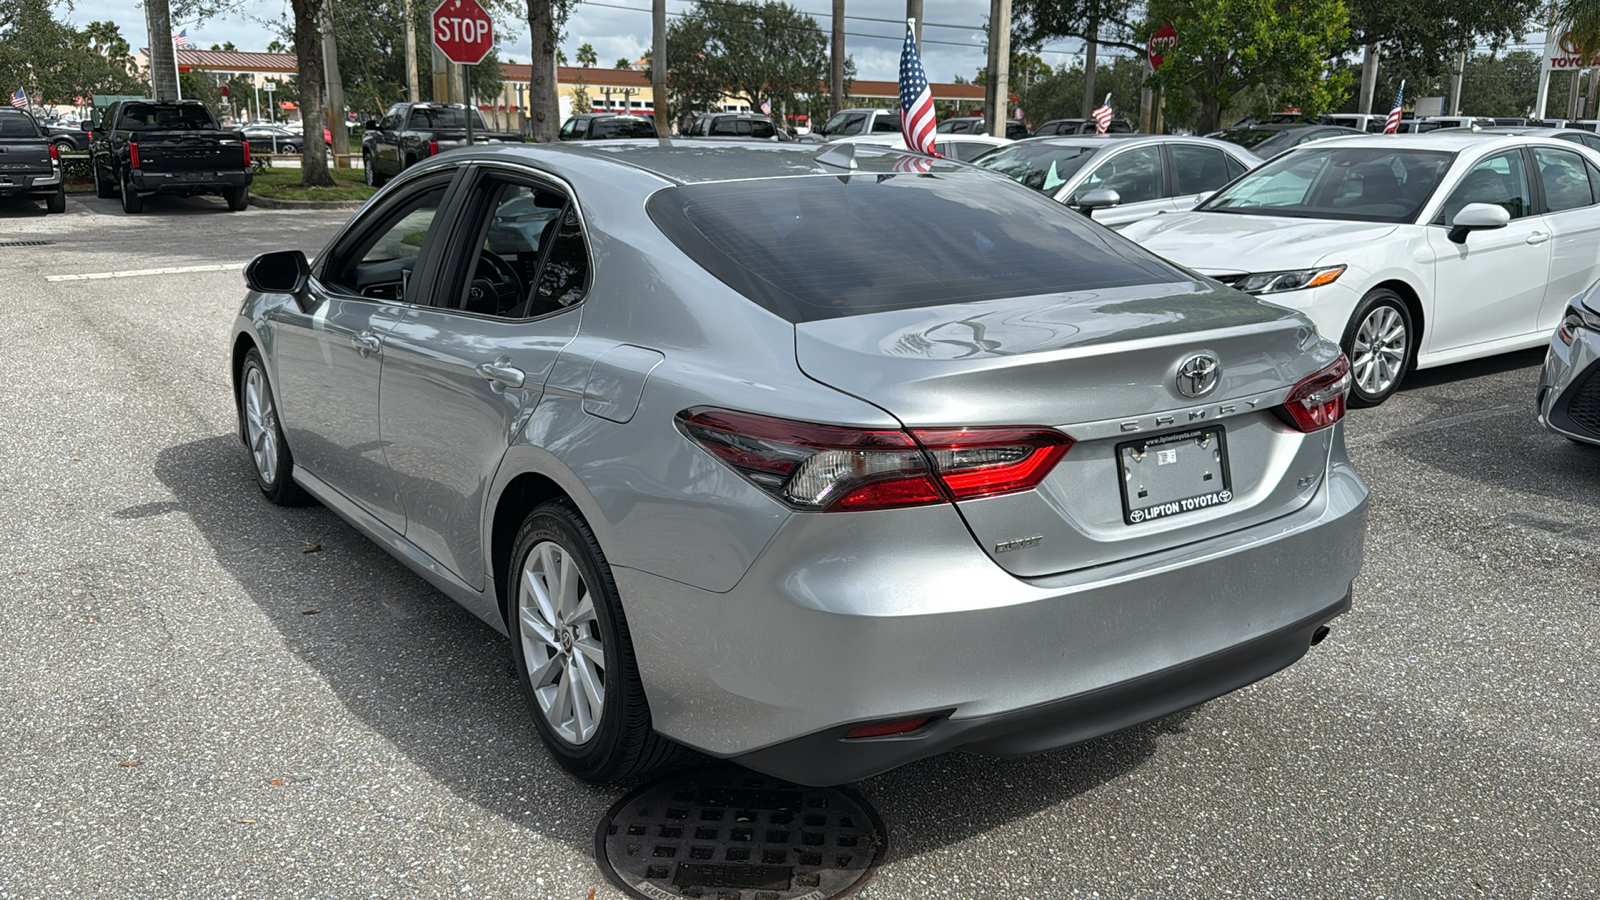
[269,203]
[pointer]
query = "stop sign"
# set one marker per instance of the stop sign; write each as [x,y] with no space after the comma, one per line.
[1164,40]
[462,31]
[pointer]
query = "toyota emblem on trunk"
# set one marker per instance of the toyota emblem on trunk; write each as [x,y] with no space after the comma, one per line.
[1199,375]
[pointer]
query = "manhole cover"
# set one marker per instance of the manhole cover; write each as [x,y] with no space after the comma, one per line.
[738,835]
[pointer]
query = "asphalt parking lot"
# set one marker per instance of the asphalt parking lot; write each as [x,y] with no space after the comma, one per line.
[207,696]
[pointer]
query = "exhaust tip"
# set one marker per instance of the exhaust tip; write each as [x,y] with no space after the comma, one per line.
[1318,635]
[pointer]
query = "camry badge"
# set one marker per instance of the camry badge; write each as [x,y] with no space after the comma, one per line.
[1199,375]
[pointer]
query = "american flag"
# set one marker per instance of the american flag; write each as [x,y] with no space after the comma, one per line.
[20,99]
[916,98]
[1018,114]
[906,164]
[181,39]
[1102,116]
[766,107]
[1393,125]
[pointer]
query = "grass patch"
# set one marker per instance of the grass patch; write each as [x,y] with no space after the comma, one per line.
[284,184]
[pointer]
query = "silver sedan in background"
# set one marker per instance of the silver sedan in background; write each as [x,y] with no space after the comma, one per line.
[1569,386]
[1122,178]
[821,466]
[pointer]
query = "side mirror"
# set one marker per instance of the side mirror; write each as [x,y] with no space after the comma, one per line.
[372,125]
[84,127]
[283,272]
[1098,199]
[1477,217]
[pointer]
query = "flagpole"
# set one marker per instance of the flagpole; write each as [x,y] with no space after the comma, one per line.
[177,71]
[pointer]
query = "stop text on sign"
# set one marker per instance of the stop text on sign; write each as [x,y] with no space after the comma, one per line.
[466,31]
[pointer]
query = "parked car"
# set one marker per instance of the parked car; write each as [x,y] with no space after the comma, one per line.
[72,138]
[1436,123]
[1414,251]
[1296,135]
[411,132]
[974,125]
[1120,179]
[633,434]
[852,122]
[606,127]
[1573,135]
[148,146]
[30,163]
[272,139]
[1081,126]
[1569,385]
[748,126]
[961,147]
[1371,123]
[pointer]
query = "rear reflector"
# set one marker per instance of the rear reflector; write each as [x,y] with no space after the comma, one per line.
[433,148]
[55,153]
[246,154]
[1319,401]
[133,154]
[884,729]
[830,468]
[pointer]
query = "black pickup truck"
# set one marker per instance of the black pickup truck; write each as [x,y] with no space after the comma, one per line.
[29,164]
[411,132]
[144,146]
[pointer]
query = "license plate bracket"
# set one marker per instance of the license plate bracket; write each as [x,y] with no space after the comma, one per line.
[1175,473]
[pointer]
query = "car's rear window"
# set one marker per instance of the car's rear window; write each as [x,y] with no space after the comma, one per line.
[603,129]
[17,125]
[825,247]
[163,117]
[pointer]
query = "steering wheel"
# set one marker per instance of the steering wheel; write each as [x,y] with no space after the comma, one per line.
[502,278]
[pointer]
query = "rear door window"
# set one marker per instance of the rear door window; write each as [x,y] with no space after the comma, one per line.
[816,248]
[1135,174]
[1566,184]
[1199,169]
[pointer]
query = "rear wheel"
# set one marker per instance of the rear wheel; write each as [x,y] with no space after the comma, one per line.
[573,652]
[57,202]
[238,197]
[103,189]
[269,452]
[1380,343]
[131,201]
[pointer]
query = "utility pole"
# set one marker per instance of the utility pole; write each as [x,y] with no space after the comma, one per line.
[330,73]
[658,68]
[836,63]
[413,92]
[1369,77]
[163,58]
[1091,48]
[1002,69]
[1455,84]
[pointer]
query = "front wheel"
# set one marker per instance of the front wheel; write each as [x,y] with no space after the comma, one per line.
[573,653]
[269,452]
[1380,343]
[238,197]
[103,188]
[370,172]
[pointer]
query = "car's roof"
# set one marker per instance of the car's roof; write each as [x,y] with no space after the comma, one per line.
[1123,140]
[1444,139]
[691,161]
[1527,130]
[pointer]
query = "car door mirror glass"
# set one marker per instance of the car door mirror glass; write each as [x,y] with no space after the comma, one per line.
[1478,217]
[372,124]
[281,272]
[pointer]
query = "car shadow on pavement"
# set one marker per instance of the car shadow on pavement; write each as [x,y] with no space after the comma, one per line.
[438,684]
[21,208]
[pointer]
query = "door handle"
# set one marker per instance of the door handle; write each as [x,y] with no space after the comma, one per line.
[1538,237]
[366,343]
[501,372]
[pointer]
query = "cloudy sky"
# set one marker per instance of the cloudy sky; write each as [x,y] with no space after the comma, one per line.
[952,35]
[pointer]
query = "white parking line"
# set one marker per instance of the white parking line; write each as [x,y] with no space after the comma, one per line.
[134,273]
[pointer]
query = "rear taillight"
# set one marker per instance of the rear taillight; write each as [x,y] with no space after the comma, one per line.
[885,729]
[433,148]
[246,153]
[55,154]
[1319,400]
[833,469]
[133,154]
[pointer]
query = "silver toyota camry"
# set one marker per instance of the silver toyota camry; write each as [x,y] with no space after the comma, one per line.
[1569,386]
[820,462]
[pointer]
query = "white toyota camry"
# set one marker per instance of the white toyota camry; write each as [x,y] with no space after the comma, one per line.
[1412,251]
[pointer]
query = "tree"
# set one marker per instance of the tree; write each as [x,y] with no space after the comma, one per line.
[59,63]
[1422,35]
[1281,52]
[748,49]
[587,57]
[624,63]
[1494,85]
[545,19]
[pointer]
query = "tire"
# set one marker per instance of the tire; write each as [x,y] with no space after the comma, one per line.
[288,149]
[1381,345]
[238,198]
[558,641]
[57,202]
[269,451]
[103,189]
[65,147]
[371,175]
[131,201]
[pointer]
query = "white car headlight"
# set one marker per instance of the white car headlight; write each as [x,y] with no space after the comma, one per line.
[1578,316]
[1293,280]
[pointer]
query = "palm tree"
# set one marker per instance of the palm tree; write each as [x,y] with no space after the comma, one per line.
[1584,19]
[587,56]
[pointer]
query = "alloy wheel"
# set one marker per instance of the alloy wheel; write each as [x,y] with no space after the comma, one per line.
[1380,348]
[261,422]
[561,642]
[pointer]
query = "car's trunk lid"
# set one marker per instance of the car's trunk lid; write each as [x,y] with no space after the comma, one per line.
[181,151]
[1102,367]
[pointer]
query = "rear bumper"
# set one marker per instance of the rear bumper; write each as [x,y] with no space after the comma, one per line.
[852,618]
[828,758]
[187,183]
[14,184]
